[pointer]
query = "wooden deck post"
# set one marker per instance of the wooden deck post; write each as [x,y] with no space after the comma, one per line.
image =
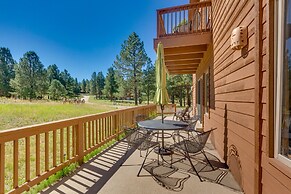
[79,143]
[2,166]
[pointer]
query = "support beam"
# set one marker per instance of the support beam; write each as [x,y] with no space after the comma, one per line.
[185,49]
[184,57]
[194,61]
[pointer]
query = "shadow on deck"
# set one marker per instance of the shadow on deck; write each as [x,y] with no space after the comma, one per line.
[106,174]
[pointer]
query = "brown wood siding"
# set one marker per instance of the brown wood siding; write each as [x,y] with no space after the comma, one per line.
[233,91]
[233,88]
[276,177]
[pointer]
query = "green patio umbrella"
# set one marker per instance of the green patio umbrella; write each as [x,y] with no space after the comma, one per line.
[161,96]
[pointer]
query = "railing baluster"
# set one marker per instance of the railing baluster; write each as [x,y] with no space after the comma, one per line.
[27,159]
[201,15]
[74,140]
[99,130]
[37,150]
[89,134]
[93,133]
[68,143]
[85,136]
[2,168]
[54,148]
[46,151]
[62,145]
[15,163]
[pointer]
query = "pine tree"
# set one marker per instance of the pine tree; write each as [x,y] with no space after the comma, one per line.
[93,84]
[148,81]
[111,86]
[57,90]
[83,86]
[53,72]
[6,71]
[100,84]
[130,61]
[68,81]
[28,76]
[87,86]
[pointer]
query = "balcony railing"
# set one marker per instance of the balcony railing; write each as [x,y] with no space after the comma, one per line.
[185,19]
[31,154]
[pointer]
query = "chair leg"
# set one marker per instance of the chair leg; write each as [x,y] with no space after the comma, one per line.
[193,167]
[207,159]
[147,153]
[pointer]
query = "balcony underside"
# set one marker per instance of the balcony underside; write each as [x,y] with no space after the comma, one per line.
[183,53]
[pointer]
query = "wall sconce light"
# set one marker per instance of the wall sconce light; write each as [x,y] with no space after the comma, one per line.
[239,38]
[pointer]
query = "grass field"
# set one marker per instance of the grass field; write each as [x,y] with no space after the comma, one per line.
[22,113]
[18,113]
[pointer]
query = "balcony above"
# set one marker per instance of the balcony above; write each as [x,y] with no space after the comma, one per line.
[186,32]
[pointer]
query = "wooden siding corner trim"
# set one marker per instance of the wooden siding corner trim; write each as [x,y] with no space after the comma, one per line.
[270,79]
[258,96]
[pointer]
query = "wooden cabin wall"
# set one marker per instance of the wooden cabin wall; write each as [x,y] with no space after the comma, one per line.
[233,112]
[276,177]
[232,94]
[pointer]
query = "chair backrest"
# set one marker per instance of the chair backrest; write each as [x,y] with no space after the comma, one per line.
[194,144]
[203,137]
[140,117]
[192,125]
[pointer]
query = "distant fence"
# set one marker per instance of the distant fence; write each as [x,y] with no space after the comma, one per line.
[31,154]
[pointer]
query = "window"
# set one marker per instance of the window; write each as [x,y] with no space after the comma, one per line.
[283,81]
[206,93]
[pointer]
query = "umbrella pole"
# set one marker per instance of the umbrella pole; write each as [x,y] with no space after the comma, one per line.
[162,110]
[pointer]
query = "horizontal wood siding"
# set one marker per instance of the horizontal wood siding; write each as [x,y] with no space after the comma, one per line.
[276,177]
[233,89]
[233,93]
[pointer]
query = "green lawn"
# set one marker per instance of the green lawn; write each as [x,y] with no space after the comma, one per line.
[22,113]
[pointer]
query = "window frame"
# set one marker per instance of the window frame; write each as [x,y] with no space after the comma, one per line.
[279,42]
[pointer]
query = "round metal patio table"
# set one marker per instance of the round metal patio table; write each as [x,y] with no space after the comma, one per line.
[167,125]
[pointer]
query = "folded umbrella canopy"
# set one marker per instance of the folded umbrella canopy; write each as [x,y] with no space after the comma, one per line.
[161,95]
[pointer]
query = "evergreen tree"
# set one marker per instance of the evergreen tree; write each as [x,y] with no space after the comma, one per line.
[93,84]
[83,86]
[43,84]
[53,72]
[111,86]
[57,90]
[123,87]
[130,61]
[77,88]
[28,76]
[6,71]
[100,84]
[87,86]
[68,81]
[149,81]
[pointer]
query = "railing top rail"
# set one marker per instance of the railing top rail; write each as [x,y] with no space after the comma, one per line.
[183,7]
[21,132]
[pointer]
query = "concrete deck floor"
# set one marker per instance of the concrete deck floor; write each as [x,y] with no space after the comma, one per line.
[107,174]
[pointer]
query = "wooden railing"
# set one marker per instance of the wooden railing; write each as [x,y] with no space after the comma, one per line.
[31,154]
[185,19]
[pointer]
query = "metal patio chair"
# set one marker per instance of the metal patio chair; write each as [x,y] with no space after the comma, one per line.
[148,145]
[134,138]
[192,145]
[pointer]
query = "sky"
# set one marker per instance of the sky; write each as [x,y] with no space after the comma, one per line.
[80,36]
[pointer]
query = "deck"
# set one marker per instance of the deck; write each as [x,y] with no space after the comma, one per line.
[105,174]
